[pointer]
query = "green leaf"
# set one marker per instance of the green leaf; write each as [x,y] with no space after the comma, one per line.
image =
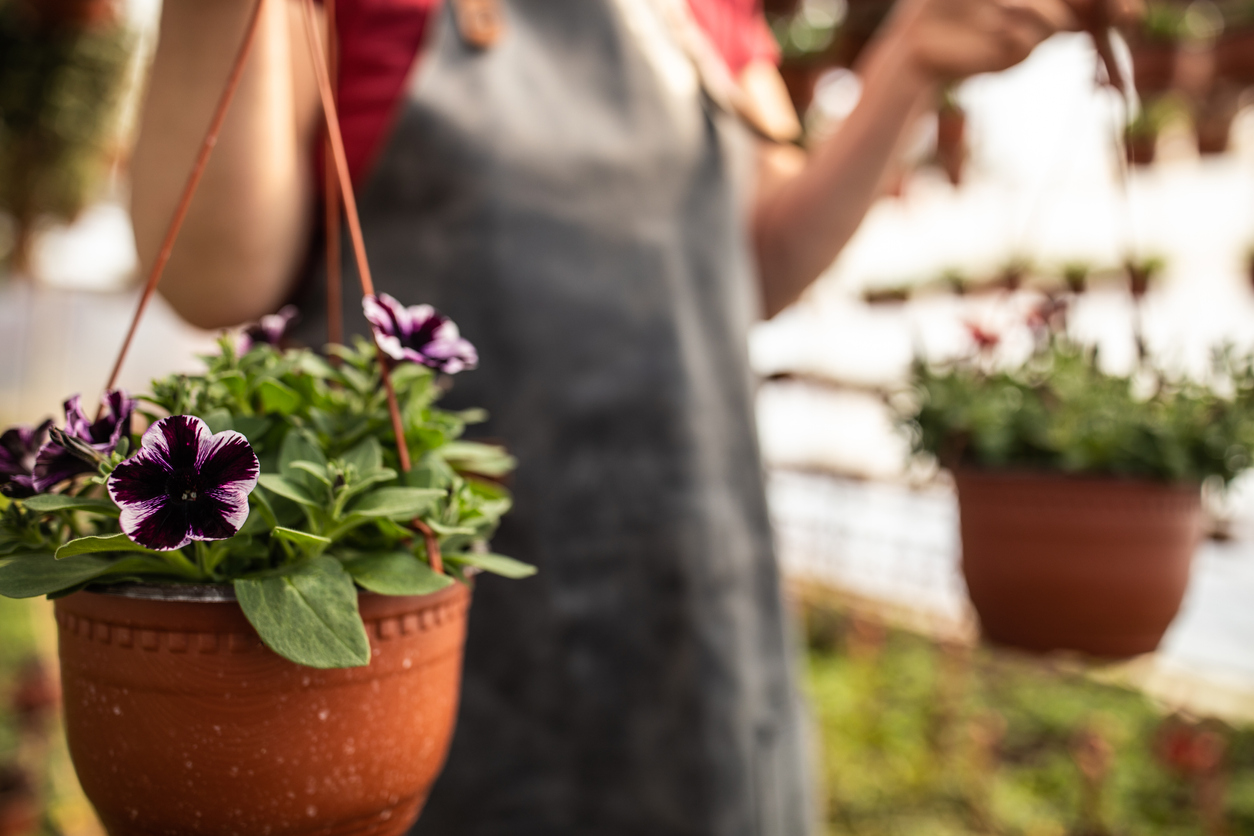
[235,384]
[299,447]
[486,459]
[395,573]
[254,427]
[308,615]
[28,575]
[312,364]
[92,545]
[46,503]
[366,456]
[218,420]
[395,502]
[303,539]
[275,483]
[278,397]
[497,564]
[317,471]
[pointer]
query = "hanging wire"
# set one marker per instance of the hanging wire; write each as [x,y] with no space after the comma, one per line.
[331,116]
[331,199]
[189,188]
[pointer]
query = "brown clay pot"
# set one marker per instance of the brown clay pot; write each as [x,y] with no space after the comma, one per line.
[180,721]
[1097,565]
[1153,64]
[1234,56]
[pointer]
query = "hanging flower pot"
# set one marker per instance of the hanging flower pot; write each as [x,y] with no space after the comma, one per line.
[1097,565]
[304,529]
[180,720]
[1078,489]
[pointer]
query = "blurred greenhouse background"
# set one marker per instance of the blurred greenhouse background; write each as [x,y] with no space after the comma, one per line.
[920,730]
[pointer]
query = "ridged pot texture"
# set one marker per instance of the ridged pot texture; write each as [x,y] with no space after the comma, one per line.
[1096,565]
[181,722]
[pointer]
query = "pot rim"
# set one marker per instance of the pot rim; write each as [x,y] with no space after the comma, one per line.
[209,593]
[1047,474]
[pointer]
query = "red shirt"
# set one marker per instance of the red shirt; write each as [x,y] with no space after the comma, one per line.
[379,39]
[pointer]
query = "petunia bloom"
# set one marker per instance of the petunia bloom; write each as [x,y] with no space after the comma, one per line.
[18,447]
[57,462]
[269,330]
[184,484]
[420,334]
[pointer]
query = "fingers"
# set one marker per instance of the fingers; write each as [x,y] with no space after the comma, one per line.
[1042,18]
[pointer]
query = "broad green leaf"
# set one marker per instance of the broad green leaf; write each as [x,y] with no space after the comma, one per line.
[235,384]
[28,575]
[312,364]
[92,545]
[497,564]
[298,447]
[486,459]
[366,456]
[317,471]
[300,538]
[395,502]
[254,427]
[47,502]
[278,397]
[278,485]
[395,573]
[218,420]
[308,615]
[432,473]
[364,483]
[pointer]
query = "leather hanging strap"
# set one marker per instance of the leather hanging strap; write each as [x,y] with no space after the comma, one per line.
[480,22]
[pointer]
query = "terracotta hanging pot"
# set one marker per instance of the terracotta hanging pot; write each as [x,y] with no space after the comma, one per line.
[180,721]
[1097,565]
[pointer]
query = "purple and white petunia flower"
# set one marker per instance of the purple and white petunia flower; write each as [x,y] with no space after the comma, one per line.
[18,446]
[269,330]
[184,484]
[57,462]
[420,334]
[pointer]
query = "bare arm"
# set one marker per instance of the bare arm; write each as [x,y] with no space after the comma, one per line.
[806,210]
[249,223]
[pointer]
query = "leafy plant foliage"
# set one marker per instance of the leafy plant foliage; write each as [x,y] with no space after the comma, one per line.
[1060,411]
[331,511]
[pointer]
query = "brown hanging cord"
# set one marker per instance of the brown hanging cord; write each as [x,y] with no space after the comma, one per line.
[433,545]
[189,189]
[331,199]
[331,115]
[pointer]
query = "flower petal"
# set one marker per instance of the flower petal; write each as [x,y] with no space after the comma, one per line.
[228,466]
[54,464]
[157,524]
[76,422]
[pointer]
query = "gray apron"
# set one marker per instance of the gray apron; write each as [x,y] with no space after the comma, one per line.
[572,210]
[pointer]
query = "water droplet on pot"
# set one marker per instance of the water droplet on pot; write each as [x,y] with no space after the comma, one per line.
[323,714]
[311,811]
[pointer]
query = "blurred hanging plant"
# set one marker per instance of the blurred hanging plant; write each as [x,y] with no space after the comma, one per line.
[1058,410]
[62,70]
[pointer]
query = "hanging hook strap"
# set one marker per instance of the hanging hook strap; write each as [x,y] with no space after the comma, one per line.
[331,116]
[189,188]
[331,196]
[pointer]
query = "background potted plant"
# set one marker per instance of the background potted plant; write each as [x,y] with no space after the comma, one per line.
[264,501]
[1078,488]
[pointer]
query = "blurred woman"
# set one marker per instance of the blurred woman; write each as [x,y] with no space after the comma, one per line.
[591,192]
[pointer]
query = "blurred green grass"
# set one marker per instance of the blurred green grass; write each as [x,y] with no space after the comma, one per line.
[927,738]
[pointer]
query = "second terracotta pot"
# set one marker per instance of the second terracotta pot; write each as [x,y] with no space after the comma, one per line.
[1094,565]
[180,721]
